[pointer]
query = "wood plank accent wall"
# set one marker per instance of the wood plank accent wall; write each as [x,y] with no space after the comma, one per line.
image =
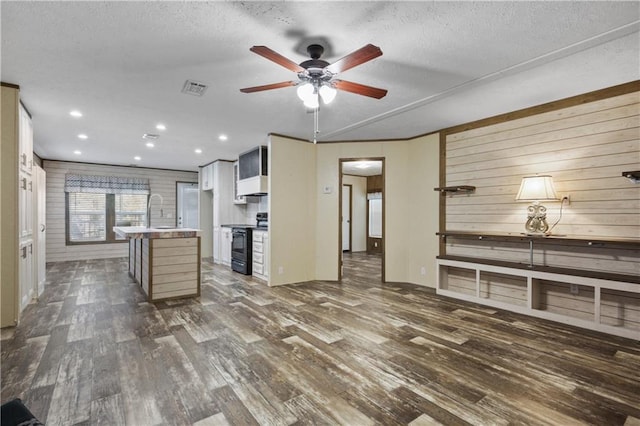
[162,182]
[585,143]
[584,147]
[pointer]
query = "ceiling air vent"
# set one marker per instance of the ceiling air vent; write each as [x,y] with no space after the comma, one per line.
[194,88]
[150,136]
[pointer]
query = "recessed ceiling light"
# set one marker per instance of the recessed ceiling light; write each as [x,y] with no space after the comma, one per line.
[137,158]
[150,144]
[198,151]
[223,137]
[161,126]
[76,152]
[75,113]
[83,136]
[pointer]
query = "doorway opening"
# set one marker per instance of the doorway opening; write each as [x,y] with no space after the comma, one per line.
[361,218]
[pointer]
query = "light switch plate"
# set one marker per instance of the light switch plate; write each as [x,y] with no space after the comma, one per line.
[326,190]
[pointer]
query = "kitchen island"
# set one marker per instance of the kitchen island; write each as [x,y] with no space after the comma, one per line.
[165,262]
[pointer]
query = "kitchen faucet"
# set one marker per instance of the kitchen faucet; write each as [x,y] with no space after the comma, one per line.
[149,208]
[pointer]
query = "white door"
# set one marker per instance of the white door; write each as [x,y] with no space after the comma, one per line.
[187,195]
[41,229]
[346,217]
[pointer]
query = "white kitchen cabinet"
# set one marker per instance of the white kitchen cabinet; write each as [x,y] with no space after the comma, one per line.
[25,203]
[206,177]
[18,270]
[226,237]
[237,199]
[216,245]
[26,271]
[25,140]
[260,253]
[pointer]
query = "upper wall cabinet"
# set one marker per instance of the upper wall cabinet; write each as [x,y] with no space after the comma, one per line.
[206,177]
[25,139]
[253,172]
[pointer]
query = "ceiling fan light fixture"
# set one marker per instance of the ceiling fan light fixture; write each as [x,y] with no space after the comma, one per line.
[305,91]
[312,101]
[327,93]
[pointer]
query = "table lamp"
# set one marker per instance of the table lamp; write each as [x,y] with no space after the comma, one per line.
[536,189]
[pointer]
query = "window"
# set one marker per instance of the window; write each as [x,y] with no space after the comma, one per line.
[91,217]
[130,210]
[87,217]
[375,214]
[95,204]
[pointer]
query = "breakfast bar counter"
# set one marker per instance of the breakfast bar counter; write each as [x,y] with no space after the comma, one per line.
[164,261]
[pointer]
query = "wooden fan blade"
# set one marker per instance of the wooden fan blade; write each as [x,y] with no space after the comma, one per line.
[268,87]
[359,89]
[271,55]
[356,58]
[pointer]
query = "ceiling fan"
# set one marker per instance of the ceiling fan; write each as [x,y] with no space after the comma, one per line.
[316,77]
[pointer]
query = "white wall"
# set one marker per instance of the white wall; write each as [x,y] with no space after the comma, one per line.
[162,182]
[304,218]
[292,211]
[358,211]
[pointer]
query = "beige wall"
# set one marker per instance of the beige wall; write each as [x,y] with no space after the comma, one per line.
[304,217]
[411,210]
[292,211]
[8,208]
[358,211]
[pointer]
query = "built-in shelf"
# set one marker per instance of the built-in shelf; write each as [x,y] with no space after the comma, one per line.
[633,176]
[548,239]
[462,189]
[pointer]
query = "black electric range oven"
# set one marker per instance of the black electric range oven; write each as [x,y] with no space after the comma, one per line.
[241,250]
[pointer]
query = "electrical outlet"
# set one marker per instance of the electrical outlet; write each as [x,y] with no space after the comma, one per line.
[574,289]
[423,271]
[280,270]
[568,198]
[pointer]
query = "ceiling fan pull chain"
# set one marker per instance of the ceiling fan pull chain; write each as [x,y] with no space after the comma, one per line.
[315,125]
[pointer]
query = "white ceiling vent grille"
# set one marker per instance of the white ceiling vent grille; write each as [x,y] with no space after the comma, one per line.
[150,136]
[194,88]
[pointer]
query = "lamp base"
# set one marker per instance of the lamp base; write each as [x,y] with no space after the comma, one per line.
[536,223]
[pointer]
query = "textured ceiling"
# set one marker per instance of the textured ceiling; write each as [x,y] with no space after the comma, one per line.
[123,65]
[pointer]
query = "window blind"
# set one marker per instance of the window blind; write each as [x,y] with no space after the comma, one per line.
[87,217]
[106,184]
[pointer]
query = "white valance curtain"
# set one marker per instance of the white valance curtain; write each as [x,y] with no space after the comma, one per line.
[106,184]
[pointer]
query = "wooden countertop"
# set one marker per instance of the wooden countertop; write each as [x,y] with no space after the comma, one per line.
[139,232]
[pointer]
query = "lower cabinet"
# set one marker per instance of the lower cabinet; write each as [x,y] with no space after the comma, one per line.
[226,237]
[216,244]
[260,254]
[222,238]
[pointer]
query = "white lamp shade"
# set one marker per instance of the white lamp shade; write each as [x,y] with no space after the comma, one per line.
[327,93]
[305,91]
[312,101]
[537,188]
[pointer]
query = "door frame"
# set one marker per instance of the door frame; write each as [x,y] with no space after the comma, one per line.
[384,202]
[350,215]
[177,202]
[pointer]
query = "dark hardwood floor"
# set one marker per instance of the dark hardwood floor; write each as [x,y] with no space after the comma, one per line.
[91,351]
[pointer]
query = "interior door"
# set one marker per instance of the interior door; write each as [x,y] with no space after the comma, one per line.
[346,217]
[41,229]
[187,199]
